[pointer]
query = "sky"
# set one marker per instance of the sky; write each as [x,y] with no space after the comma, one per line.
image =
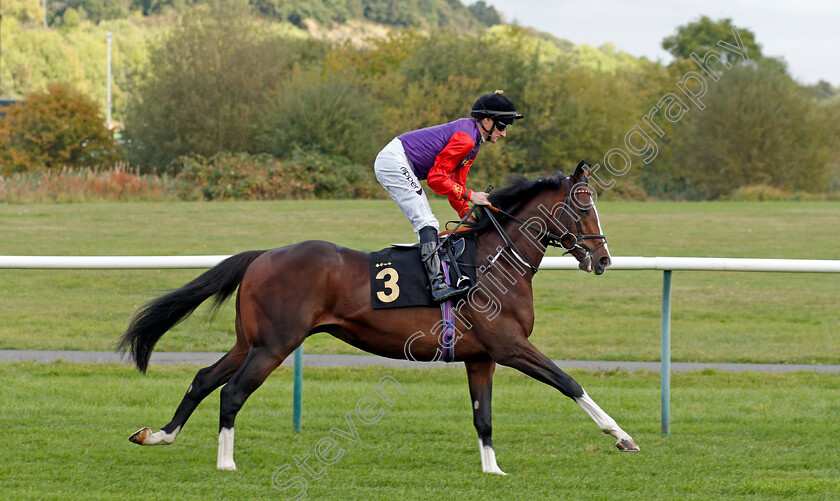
[805,33]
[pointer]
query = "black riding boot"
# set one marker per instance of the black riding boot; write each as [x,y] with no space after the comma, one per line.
[441,291]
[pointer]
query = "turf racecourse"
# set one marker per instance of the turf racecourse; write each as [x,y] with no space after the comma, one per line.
[717,317]
[756,436]
[745,436]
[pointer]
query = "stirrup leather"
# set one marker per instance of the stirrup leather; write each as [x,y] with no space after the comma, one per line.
[441,291]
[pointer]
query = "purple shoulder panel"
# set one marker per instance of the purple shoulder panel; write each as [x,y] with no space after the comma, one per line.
[422,146]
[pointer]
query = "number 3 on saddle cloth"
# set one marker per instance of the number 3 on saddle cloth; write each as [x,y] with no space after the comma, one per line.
[398,279]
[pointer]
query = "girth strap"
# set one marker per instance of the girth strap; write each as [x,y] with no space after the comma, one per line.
[447,335]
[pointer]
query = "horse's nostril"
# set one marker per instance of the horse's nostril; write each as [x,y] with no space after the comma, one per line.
[605,261]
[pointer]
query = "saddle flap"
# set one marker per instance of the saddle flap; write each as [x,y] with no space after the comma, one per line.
[456,248]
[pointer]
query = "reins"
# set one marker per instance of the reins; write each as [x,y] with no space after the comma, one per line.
[509,243]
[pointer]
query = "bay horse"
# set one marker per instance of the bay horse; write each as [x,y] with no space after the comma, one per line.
[289,293]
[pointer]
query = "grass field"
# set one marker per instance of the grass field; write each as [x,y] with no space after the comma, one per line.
[744,436]
[726,317]
[734,436]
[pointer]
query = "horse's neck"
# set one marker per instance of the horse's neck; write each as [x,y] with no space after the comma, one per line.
[529,246]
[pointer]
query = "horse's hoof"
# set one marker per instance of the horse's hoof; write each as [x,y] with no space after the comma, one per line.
[231,466]
[140,436]
[627,445]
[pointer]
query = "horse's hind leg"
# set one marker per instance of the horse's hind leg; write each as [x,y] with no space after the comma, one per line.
[261,361]
[480,377]
[529,360]
[205,381]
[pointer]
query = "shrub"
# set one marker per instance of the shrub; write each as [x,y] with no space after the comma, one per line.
[225,176]
[626,189]
[760,193]
[53,129]
[85,184]
[241,176]
[333,176]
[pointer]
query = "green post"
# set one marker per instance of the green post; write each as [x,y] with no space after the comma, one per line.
[298,388]
[666,353]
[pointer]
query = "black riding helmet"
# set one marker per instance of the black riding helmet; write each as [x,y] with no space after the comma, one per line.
[497,107]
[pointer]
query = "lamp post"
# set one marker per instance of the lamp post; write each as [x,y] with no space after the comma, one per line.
[1,50]
[108,119]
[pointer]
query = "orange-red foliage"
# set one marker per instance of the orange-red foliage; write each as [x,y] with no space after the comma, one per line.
[52,129]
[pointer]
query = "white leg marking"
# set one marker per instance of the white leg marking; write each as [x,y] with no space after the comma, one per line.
[162,438]
[601,418]
[488,459]
[225,458]
[475,405]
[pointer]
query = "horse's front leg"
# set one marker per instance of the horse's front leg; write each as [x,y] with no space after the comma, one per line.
[525,357]
[480,377]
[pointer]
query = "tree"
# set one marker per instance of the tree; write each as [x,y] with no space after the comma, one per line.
[26,11]
[94,10]
[832,112]
[485,14]
[703,35]
[207,83]
[759,128]
[330,113]
[399,13]
[575,112]
[823,90]
[52,129]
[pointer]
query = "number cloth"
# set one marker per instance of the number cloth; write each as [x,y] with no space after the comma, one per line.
[398,278]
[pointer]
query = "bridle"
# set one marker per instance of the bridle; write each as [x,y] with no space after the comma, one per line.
[566,211]
[553,239]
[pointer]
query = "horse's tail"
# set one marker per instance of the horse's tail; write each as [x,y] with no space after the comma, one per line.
[151,321]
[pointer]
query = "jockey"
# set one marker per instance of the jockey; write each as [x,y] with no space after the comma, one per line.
[441,155]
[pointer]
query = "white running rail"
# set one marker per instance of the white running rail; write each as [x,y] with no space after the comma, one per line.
[664,264]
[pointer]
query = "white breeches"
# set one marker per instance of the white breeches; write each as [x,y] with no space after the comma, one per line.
[394,173]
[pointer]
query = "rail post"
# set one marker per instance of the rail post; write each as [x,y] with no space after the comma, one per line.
[298,388]
[665,373]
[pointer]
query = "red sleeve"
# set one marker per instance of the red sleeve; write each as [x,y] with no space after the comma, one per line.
[445,178]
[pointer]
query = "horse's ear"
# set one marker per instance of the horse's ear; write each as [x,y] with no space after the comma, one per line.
[582,173]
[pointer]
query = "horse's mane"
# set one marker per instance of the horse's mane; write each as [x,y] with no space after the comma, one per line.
[517,191]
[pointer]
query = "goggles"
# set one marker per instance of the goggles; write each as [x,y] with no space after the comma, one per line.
[500,125]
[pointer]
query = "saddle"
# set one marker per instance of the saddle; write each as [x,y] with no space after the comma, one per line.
[398,277]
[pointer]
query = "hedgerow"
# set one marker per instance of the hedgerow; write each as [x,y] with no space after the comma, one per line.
[225,176]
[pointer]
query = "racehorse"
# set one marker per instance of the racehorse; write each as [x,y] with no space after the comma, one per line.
[289,293]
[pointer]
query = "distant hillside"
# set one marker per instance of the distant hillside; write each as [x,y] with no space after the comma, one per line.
[420,14]
[274,84]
